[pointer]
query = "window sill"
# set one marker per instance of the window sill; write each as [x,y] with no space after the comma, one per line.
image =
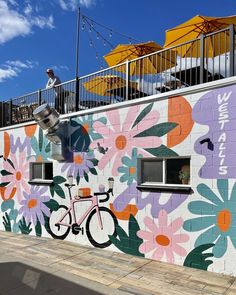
[165,187]
[40,182]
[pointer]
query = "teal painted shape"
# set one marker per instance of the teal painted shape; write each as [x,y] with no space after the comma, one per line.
[197,259]
[6,205]
[128,244]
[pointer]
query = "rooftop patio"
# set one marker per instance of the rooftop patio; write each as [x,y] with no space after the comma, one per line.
[207,58]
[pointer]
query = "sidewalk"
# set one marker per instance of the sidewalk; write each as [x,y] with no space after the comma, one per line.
[32,265]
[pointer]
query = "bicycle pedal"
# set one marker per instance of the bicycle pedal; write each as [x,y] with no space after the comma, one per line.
[76,229]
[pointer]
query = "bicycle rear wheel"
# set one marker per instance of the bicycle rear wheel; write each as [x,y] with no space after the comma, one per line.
[58,231]
[99,237]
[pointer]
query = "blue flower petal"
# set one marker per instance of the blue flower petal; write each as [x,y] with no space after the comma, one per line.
[122,169]
[233,239]
[202,208]
[124,178]
[207,193]
[233,194]
[207,237]
[222,185]
[220,247]
[199,223]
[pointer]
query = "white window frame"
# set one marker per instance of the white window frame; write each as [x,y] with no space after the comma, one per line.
[41,180]
[162,184]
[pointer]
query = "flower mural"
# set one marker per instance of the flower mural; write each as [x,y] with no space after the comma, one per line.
[41,147]
[217,217]
[129,168]
[20,144]
[144,199]
[33,207]
[82,164]
[163,237]
[121,138]
[16,174]
[87,122]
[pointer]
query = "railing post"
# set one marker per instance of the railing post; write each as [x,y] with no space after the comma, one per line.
[231,49]
[127,66]
[10,112]
[39,97]
[202,57]
[77,94]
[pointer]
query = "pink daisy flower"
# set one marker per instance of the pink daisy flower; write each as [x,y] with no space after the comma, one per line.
[163,238]
[19,175]
[120,138]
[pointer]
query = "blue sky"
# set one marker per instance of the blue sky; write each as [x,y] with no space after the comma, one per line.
[38,34]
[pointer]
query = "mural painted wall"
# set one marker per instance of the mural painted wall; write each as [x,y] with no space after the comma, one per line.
[196,229]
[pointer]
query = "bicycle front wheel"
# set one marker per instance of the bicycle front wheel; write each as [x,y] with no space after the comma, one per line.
[99,237]
[56,230]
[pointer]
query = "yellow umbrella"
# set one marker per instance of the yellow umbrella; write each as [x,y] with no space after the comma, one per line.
[196,26]
[102,85]
[150,65]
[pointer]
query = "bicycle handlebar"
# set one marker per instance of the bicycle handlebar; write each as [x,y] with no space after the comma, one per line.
[107,194]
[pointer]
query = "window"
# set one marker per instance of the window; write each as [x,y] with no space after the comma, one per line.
[164,172]
[41,172]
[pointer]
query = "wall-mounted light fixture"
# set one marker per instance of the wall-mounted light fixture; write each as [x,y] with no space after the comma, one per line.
[56,132]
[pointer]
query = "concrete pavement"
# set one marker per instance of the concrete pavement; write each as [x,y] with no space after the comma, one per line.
[33,265]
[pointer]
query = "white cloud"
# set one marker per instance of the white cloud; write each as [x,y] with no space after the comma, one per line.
[74,4]
[13,23]
[87,3]
[12,68]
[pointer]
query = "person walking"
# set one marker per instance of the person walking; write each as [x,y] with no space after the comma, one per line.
[54,82]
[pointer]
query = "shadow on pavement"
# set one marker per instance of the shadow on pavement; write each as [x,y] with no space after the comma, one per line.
[21,279]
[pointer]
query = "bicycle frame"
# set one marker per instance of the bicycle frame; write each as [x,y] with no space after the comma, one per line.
[94,204]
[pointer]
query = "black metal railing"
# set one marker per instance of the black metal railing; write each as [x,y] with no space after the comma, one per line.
[208,58]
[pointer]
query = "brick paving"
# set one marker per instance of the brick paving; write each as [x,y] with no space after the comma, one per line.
[33,265]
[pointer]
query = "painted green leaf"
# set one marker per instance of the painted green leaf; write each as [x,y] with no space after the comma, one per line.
[94,161]
[51,191]
[93,171]
[25,229]
[11,163]
[86,177]
[48,148]
[162,151]
[6,222]
[197,259]
[5,172]
[38,229]
[58,190]
[128,243]
[40,139]
[4,184]
[58,179]
[158,130]
[52,205]
[77,179]
[143,114]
